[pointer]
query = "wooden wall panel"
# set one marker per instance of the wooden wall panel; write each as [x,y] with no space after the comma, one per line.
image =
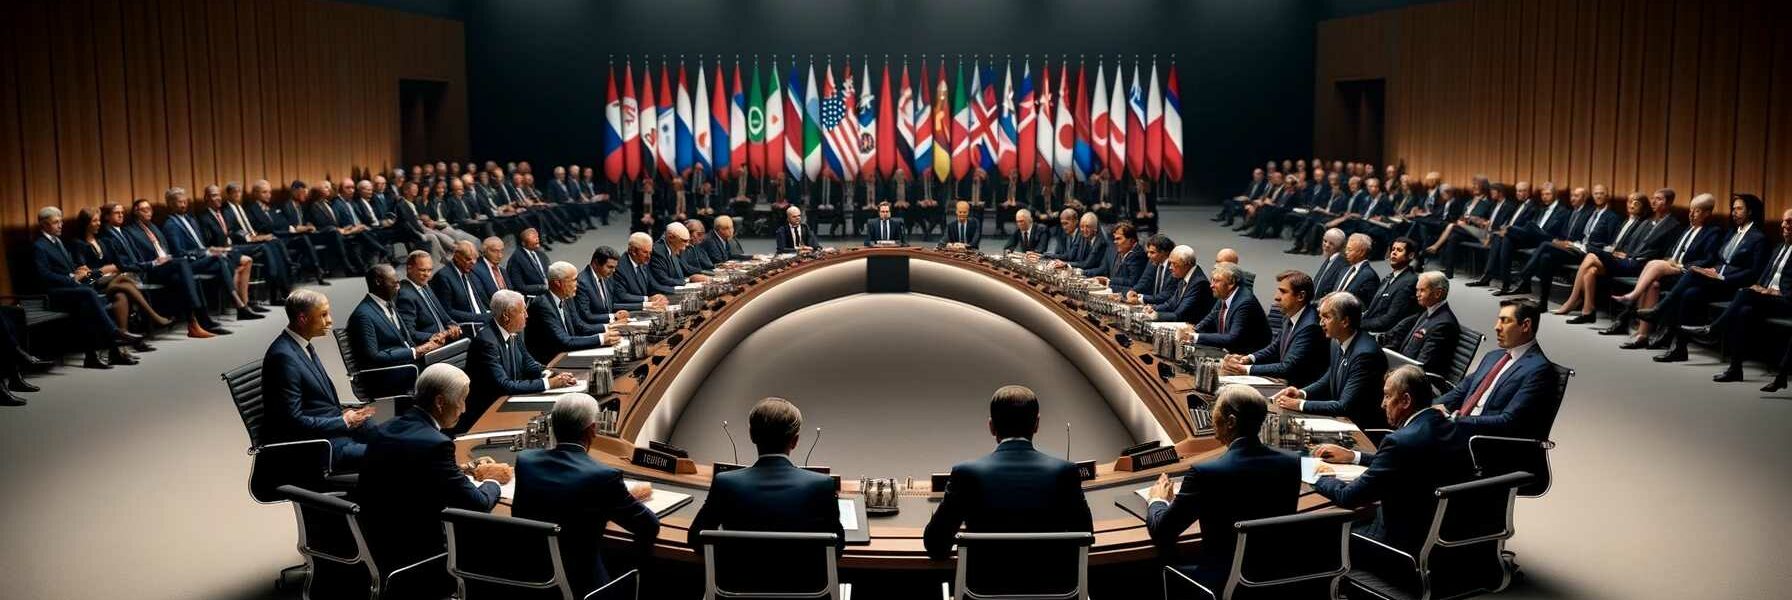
[110,100]
[1691,94]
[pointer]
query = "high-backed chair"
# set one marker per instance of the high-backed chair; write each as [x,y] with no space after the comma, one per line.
[492,556]
[1291,556]
[1462,554]
[336,553]
[734,565]
[1021,566]
[380,383]
[1466,346]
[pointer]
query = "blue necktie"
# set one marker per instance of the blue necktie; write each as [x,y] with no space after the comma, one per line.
[321,373]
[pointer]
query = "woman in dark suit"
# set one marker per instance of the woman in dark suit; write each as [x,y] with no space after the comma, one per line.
[114,283]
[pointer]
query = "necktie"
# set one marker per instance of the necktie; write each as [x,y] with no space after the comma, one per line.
[1735,240]
[603,296]
[244,221]
[1779,264]
[63,250]
[353,219]
[1158,287]
[1287,336]
[153,240]
[1223,308]
[496,276]
[472,298]
[188,227]
[795,240]
[1344,284]
[884,230]
[221,225]
[1685,240]
[1026,239]
[961,237]
[1468,406]
[537,262]
[321,373]
[393,317]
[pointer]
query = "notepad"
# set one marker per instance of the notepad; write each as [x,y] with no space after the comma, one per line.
[1251,380]
[849,515]
[1145,492]
[1309,471]
[594,352]
[1323,425]
[529,399]
[662,502]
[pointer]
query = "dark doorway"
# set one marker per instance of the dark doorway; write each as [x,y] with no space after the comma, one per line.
[1365,115]
[419,110]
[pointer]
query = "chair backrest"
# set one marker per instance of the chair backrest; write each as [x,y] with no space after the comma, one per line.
[735,564]
[244,383]
[343,347]
[335,550]
[454,353]
[1023,566]
[1397,360]
[493,556]
[1299,555]
[1277,320]
[1466,346]
[1461,552]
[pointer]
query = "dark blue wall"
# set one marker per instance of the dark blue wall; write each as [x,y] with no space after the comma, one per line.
[536,67]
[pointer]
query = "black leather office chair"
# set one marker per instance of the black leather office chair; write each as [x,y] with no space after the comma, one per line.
[1466,346]
[336,553]
[1461,555]
[735,565]
[372,385]
[493,556]
[1499,455]
[1021,566]
[1291,556]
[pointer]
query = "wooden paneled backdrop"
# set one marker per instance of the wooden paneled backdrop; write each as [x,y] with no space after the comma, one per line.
[1691,94]
[110,100]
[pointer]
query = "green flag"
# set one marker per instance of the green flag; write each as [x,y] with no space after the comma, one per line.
[756,125]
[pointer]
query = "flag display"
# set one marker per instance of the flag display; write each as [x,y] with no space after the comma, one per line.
[612,140]
[1154,128]
[1099,127]
[666,135]
[1082,155]
[1135,126]
[793,123]
[1064,142]
[756,125]
[1047,141]
[1026,125]
[983,97]
[737,127]
[719,126]
[631,125]
[812,140]
[650,128]
[700,135]
[686,142]
[866,111]
[886,128]
[961,128]
[774,123]
[1117,134]
[942,129]
[1172,128]
[1004,129]
[923,124]
[840,145]
[905,126]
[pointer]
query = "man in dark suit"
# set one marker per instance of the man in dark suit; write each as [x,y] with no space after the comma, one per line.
[1513,391]
[1015,489]
[338,212]
[1591,226]
[1738,261]
[724,246]
[1027,236]
[1347,389]
[408,224]
[1156,280]
[1096,247]
[696,261]
[299,400]
[264,216]
[1236,323]
[527,269]
[600,298]
[963,232]
[667,265]
[1332,262]
[1356,276]
[181,234]
[67,285]
[410,474]
[635,272]
[884,229]
[1430,335]
[1750,305]
[1534,222]
[223,224]
[499,363]
[555,325]
[1393,300]
[564,486]
[773,494]
[314,210]
[1298,355]
[1123,262]
[458,287]
[1250,481]
[418,308]
[489,269]
[378,338]
[1189,297]
[1426,452]
[795,236]
[1235,206]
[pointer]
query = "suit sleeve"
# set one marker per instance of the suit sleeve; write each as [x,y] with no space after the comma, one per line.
[366,343]
[1402,304]
[460,491]
[1367,487]
[942,529]
[1453,398]
[1438,350]
[615,502]
[49,274]
[285,396]
[1166,522]
[410,314]
[444,289]
[710,515]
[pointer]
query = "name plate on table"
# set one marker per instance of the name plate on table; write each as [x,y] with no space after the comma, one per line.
[1147,459]
[1085,469]
[661,461]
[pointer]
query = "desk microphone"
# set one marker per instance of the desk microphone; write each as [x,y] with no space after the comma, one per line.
[1067,441]
[731,445]
[812,445]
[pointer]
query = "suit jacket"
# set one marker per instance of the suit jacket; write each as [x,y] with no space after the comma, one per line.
[597,301]
[405,215]
[1351,386]
[1426,453]
[299,401]
[464,296]
[972,236]
[1155,280]
[1250,481]
[1393,300]
[375,340]
[879,230]
[564,486]
[696,260]
[667,270]
[1363,285]
[1073,248]
[1298,355]
[1658,242]
[212,233]
[638,280]
[785,238]
[527,276]
[1036,240]
[1190,298]
[1127,270]
[421,311]
[1014,489]
[1523,403]
[555,327]
[1599,228]
[409,477]
[125,251]
[721,251]
[1247,328]
[1744,264]
[1095,250]
[1429,339]
[267,219]
[771,495]
[55,262]
[498,368]
[179,240]
[1325,276]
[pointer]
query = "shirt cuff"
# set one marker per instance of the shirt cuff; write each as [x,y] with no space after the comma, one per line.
[1300,405]
[1156,501]
[1356,458]
[546,384]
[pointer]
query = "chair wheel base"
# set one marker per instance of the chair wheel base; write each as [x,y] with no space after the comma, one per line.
[290,576]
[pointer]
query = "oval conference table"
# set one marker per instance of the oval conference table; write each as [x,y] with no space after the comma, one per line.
[650,394]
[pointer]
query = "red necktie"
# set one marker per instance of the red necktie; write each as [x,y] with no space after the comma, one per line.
[1222,316]
[1481,390]
[498,277]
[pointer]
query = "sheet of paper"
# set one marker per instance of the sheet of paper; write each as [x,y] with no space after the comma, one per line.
[1323,425]
[1252,380]
[535,398]
[488,434]
[578,385]
[594,352]
[849,515]
[1145,492]
[661,500]
[1309,471]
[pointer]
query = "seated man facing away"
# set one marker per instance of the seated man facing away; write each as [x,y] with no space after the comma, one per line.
[1014,489]
[1427,452]
[411,474]
[299,399]
[563,485]
[1250,481]
[772,494]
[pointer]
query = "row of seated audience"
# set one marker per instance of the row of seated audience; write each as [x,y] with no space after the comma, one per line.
[1660,271]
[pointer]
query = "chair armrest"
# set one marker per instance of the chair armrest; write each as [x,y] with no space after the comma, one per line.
[361,372]
[304,463]
[1411,562]
[1183,580]
[417,575]
[612,590]
[945,590]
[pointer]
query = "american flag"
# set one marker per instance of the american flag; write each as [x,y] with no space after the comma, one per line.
[840,128]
